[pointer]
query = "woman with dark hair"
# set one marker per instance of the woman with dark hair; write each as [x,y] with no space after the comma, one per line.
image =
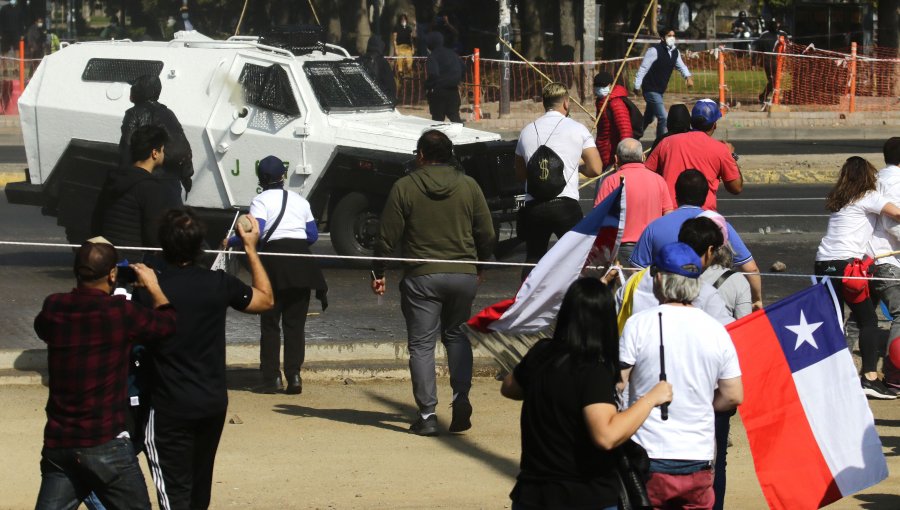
[678,121]
[855,204]
[569,417]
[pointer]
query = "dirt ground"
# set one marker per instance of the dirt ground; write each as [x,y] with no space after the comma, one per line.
[345,445]
[798,168]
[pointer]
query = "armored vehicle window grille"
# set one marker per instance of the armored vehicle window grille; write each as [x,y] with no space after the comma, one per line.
[119,69]
[345,85]
[269,88]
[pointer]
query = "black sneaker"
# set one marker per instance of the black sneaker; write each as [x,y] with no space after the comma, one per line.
[294,385]
[462,414]
[425,426]
[270,386]
[876,389]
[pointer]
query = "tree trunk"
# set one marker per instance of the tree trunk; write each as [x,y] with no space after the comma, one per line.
[889,35]
[614,27]
[699,28]
[532,30]
[567,23]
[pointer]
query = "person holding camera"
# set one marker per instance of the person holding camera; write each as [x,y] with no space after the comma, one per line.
[89,334]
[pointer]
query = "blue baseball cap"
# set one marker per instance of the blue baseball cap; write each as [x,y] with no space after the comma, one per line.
[680,259]
[707,111]
[271,167]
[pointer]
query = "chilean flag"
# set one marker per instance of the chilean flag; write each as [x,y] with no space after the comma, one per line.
[810,428]
[593,241]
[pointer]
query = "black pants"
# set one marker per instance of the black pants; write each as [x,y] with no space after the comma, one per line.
[290,310]
[863,313]
[539,220]
[181,453]
[444,103]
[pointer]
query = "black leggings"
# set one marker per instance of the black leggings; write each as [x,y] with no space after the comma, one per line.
[863,313]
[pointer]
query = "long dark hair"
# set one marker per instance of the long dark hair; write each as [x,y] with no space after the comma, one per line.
[856,179]
[586,324]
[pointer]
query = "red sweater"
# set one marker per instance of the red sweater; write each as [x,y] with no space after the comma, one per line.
[614,126]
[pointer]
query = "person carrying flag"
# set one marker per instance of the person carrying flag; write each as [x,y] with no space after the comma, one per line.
[702,366]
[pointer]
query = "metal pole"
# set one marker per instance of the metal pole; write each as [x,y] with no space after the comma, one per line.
[721,59]
[589,54]
[476,111]
[779,68]
[504,67]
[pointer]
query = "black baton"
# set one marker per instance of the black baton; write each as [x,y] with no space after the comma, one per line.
[663,409]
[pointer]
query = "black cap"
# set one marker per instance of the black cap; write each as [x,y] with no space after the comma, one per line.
[603,79]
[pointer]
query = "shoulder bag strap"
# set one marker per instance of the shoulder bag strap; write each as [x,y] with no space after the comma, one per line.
[271,229]
[724,276]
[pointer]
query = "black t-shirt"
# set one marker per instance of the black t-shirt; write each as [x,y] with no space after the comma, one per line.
[189,368]
[404,34]
[561,467]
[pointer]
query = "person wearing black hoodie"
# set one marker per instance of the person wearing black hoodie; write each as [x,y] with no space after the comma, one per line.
[147,110]
[377,66]
[443,74]
[133,200]
[678,121]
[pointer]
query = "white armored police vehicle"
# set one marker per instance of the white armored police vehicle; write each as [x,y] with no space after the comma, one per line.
[285,93]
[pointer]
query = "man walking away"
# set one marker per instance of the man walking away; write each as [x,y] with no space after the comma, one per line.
[887,239]
[188,393]
[699,150]
[89,335]
[443,74]
[653,77]
[436,212]
[647,195]
[147,110]
[700,360]
[133,200]
[615,124]
[547,160]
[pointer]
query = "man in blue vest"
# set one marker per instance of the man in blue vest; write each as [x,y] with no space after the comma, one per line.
[653,77]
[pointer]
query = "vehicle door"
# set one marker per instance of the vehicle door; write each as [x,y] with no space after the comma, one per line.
[258,113]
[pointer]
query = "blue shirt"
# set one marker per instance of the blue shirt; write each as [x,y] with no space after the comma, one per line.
[664,230]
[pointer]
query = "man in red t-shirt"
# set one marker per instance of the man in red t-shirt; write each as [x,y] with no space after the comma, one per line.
[646,194]
[698,149]
[615,124]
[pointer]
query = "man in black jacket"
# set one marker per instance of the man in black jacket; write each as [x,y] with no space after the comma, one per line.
[148,110]
[444,72]
[377,66]
[133,199]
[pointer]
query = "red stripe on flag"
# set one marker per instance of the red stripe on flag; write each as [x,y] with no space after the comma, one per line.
[484,318]
[790,467]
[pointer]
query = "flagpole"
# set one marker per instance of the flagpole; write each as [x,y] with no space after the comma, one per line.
[663,409]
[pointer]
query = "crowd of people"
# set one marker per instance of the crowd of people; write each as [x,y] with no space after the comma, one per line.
[591,390]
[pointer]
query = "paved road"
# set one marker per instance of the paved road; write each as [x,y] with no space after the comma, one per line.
[778,223]
[16,153]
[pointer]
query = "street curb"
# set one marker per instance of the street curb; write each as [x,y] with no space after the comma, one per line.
[323,361]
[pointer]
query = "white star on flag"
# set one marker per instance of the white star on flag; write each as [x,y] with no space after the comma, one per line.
[804,332]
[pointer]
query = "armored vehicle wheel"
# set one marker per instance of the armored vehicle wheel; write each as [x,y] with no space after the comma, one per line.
[354,225]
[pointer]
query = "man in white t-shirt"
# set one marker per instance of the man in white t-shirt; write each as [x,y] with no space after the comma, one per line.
[702,366]
[571,143]
[887,239]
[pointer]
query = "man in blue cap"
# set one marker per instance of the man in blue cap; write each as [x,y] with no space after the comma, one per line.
[699,150]
[702,366]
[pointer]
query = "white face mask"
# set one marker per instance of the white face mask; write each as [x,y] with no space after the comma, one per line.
[602,91]
[403,24]
[670,42]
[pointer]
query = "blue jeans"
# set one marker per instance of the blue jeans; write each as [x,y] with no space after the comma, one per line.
[655,108]
[723,425]
[110,470]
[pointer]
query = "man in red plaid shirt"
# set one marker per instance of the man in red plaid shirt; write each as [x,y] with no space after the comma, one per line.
[89,335]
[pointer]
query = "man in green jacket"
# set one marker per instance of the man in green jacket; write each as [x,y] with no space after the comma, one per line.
[439,213]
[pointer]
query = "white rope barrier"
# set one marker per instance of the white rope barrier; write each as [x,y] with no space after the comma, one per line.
[423,261]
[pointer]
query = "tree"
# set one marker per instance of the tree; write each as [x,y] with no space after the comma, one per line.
[532,29]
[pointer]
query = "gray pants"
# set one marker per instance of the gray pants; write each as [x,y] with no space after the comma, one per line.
[889,292]
[432,304]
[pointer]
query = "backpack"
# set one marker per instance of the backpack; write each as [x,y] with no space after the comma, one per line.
[545,171]
[637,118]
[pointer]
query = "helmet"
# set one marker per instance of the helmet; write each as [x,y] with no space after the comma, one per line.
[742,14]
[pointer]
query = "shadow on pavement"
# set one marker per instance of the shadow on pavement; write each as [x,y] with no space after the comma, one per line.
[878,501]
[458,442]
[33,361]
[376,419]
